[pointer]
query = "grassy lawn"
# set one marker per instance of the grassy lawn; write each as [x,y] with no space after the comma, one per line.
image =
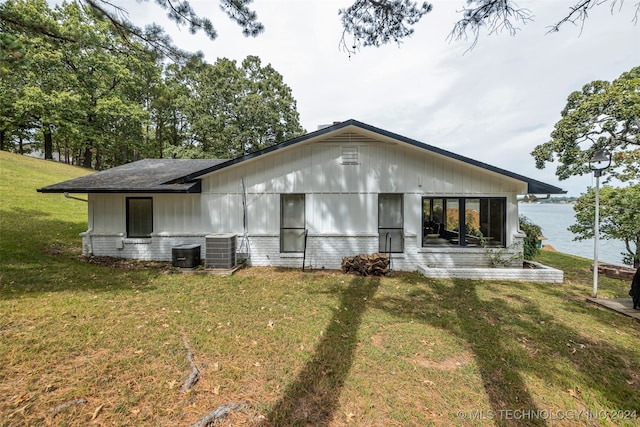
[291,348]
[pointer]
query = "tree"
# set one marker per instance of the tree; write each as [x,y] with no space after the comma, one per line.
[105,101]
[89,93]
[603,115]
[619,218]
[110,77]
[365,22]
[233,110]
[20,76]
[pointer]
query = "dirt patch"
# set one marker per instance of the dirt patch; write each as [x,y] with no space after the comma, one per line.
[459,359]
[127,264]
[55,249]
[450,364]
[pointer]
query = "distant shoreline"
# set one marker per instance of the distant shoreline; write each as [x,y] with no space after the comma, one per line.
[555,218]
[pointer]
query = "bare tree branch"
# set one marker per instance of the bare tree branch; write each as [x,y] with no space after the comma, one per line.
[580,12]
[494,15]
[152,36]
[365,22]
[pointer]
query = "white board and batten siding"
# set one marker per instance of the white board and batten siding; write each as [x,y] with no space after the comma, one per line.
[177,219]
[341,200]
[341,177]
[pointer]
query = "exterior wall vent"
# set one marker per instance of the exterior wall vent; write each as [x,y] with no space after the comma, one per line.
[349,155]
[220,251]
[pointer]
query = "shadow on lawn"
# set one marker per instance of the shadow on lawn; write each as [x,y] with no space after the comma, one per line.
[313,398]
[511,337]
[459,310]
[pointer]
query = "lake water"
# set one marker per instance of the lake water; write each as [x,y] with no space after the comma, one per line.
[554,219]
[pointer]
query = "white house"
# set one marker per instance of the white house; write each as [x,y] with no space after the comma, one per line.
[346,189]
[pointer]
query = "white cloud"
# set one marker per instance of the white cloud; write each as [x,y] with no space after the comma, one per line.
[494,103]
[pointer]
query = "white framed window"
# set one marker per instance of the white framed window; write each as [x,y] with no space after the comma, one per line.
[390,223]
[139,216]
[292,223]
[462,221]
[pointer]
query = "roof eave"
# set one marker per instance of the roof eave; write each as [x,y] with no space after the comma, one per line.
[193,187]
[542,188]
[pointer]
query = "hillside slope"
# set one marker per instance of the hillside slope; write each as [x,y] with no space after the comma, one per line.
[31,222]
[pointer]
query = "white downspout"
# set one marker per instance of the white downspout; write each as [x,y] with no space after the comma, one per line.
[90,215]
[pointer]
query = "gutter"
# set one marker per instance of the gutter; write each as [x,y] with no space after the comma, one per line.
[67,196]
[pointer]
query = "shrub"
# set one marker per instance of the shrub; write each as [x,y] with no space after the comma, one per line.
[532,240]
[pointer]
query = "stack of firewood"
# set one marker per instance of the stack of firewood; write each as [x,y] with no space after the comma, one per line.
[366,265]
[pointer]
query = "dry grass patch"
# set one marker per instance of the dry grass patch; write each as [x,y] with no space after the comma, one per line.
[94,344]
[296,348]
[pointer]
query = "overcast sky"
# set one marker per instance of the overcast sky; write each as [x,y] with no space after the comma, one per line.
[494,103]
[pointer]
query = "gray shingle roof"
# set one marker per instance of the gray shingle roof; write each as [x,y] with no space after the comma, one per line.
[183,176]
[143,176]
[533,186]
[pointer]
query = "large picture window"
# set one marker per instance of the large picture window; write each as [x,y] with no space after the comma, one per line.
[390,223]
[463,221]
[292,223]
[139,216]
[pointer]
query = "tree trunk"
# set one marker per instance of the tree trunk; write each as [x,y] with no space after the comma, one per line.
[158,137]
[58,149]
[123,154]
[66,150]
[87,157]
[2,136]
[98,160]
[48,142]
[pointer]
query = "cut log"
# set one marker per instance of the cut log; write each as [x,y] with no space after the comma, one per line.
[366,265]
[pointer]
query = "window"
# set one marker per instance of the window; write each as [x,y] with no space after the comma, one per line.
[292,223]
[390,223]
[139,216]
[464,221]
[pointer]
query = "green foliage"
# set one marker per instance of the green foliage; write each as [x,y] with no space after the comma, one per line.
[531,241]
[604,115]
[375,24]
[619,218]
[232,109]
[76,85]
[84,96]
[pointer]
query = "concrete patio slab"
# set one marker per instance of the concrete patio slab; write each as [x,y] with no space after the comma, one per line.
[540,273]
[619,305]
